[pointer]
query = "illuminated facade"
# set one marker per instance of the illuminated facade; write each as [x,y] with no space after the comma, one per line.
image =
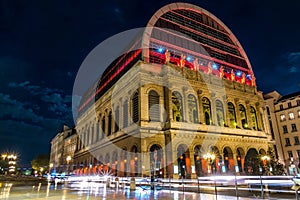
[184,104]
[63,146]
[284,119]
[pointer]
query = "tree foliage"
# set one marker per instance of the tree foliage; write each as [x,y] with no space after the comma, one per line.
[277,167]
[40,161]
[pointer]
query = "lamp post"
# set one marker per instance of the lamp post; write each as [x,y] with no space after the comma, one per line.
[50,167]
[265,159]
[68,159]
[209,158]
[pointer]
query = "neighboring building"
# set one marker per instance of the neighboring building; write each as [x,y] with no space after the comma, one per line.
[63,146]
[284,119]
[177,106]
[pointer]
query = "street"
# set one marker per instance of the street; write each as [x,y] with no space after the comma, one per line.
[94,190]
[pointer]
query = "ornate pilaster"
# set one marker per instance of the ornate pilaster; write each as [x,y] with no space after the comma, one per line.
[238,115]
[201,115]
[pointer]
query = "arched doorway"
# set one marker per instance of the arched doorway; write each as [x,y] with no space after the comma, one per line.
[123,162]
[115,163]
[240,157]
[134,162]
[252,162]
[184,162]
[198,160]
[228,159]
[156,161]
[216,164]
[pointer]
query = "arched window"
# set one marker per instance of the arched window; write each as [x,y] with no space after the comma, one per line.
[87,141]
[97,130]
[243,116]
[153,106]
[193,110]
[206,110]
[232,116]
[103,128]
[125,114]
[268,111]
[177,107]
[109,123]
[253,118]
[220,113]
[117,113]
[92,134]
[135,107]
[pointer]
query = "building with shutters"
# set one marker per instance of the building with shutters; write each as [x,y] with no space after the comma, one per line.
[284,119]
[181,102]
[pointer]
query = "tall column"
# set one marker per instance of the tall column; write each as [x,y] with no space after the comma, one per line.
[188,159]
[169,155]
[226,112]
[144,112]
[213,109]
[168,103]
[260,117]
[192,160]
[201,115]
[185,105]
[238,115]
[248,114]
[174,160]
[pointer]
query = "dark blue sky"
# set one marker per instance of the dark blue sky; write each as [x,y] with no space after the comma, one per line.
[43,43]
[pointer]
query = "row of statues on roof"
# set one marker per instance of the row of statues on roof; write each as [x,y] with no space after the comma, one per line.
[221,74]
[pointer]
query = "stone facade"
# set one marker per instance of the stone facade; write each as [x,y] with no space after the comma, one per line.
[170,117]
[284,119]
[231,144]
[62,146]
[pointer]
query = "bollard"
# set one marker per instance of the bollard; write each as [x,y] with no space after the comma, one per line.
[152,182]
[117,183]
[108,182]
[132,183]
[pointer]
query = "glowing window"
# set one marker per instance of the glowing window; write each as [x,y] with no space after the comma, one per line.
[193,110]
[291,115]
[206,110]
[177,107]
[232,117]
[282,117]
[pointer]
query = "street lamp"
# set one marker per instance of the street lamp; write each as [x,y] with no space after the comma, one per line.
[50,167]
[209,158]
[265,159]
[68,159]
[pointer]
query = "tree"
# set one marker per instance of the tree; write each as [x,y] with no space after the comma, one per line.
[40,162]
[277,167]
[3,165]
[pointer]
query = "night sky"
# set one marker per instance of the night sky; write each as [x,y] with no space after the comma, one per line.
[43,43]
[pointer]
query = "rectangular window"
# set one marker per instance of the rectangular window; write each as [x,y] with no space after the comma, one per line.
[290,154]
[289,104]
[291,116]
[296,140]
[294,128]
[298,102]
[298,153]
[298,113]
[287,142]
[282,117]
[285,130]
[281,107]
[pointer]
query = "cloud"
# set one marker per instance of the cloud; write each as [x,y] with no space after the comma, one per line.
[56,100]
[286,72]
[13,109]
